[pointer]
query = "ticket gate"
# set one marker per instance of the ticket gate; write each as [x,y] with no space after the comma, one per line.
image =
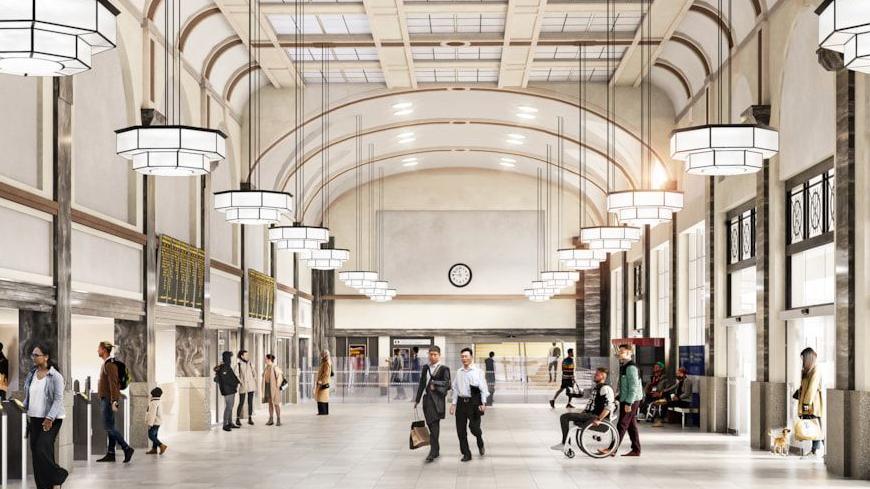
[82,426]
[15,461]
[99,441]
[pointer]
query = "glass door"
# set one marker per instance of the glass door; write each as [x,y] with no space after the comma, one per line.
[818,333]
[741,373]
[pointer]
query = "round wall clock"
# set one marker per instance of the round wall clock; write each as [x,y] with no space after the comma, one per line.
[459,275]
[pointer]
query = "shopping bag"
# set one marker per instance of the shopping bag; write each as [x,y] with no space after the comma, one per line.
[807,429]
[419,435]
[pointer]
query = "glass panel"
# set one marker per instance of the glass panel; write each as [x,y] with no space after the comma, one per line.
[796,213]
[812,276]
[742,283]
[734,241]
[816,207]
[818,333]
[747,249]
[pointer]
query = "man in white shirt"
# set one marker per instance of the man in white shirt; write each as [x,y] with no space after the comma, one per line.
[469,393]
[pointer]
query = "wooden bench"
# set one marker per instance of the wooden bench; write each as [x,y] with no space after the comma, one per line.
[684,411]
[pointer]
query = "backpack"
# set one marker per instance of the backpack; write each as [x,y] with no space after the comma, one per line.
[123,374]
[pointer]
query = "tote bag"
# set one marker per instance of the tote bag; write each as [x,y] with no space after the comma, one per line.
[419,433]
[807,429]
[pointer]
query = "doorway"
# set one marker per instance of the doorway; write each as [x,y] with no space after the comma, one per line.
[818,333]
[741,374]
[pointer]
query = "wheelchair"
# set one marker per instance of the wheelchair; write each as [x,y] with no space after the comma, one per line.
[592,440]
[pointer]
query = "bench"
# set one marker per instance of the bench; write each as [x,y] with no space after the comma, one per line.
[684,411]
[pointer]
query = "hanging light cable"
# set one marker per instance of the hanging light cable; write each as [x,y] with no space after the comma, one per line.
[610,238]
[250,205]
[173,149]
[646,206]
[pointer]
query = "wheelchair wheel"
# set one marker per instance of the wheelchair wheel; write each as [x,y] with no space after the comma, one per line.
[595,439]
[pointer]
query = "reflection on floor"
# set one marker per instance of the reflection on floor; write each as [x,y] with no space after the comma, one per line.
[366,446]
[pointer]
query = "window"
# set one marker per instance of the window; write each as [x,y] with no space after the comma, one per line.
[741,261]
[810,237]
[663,290]
[695,242]
[741,237]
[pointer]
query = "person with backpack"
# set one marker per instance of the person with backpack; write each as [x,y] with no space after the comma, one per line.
[113,379]
[228,384]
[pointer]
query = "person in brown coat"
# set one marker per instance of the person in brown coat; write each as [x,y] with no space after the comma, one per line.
[273,378]
[324,372]
[109,393]
[810,401]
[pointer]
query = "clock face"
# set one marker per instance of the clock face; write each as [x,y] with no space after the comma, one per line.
[459,275]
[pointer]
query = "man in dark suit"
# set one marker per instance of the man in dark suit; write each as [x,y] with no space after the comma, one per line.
[490,376]
[434,383]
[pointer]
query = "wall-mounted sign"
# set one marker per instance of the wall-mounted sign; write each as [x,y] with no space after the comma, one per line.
[412,341]
[181,273]
[261,295]
[692,358]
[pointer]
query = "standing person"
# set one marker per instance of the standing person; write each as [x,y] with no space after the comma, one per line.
[109,392]
[228,384]
[630,395]
[415,365]
[489,364]
[601,404]
[434,383]
[154,418]
[247,386]
[43,403]
[553,361]
[809,396]
[4,374]
[273,380]
[324,372]
[396,374]
[469,393]
[567,379]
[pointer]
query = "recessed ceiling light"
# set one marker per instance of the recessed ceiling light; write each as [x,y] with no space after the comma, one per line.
[523,115]
[403,112]
[508,160]
[514,141]
[516,136]
[409,164]
[507,164]
[527,109]
[402,105]
[404,135]
[407,140]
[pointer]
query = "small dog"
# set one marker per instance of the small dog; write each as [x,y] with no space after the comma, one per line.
[779,441]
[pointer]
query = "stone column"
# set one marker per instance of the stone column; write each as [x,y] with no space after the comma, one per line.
[604,308]
[625,304]
[647,238]
[323,314]
[588,314]
[131,338]
[673,314]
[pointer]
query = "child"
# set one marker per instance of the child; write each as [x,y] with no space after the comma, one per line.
[153,420]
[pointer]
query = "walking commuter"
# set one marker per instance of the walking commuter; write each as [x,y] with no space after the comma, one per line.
[247,386]
[600,406]
[469,393]
[630,395]
[432,388]
[396,366]
[109,393]
[415,365]
[567,379]
[273,381]
[489,365]
[324,372]
[228,384]
[43,403]
[154,418]
[553,356]
[811,404]
[4,374]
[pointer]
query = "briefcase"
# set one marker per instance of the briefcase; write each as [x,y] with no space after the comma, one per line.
[419,435]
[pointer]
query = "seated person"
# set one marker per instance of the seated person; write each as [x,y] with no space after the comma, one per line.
[678,395]
[652,391]
[599,408]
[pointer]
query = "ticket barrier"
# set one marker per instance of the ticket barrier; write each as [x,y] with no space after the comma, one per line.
[82,426]
[13,442]
[98,440]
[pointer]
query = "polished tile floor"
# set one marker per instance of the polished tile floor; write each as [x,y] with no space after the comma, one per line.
[366,446]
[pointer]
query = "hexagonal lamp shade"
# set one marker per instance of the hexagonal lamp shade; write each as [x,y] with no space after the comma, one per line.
[580,259]
[724,149]
[358,279]
[381,298]
[54,37]
[327,259]
[171,150]
[559,279]
[253,207]
[641,207]
[375,286]
[844,26]
[298,239]
[611,239]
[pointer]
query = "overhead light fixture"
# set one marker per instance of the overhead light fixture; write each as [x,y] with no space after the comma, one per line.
[539,298]
[403,105]
[171,150]
[581,259]
[844,27]
[724,149]
[403,112]
[381,298]
[540,292]
[527,110]
[612,239]
[559,279]
[516,136]
[356,279]
[507,164]
[380,292]
[54,37]
[253,207]
[298,239]
[405,135]
[644,207]
[376,285]
[326,258]
[409,162]
[407,140]
[523,115]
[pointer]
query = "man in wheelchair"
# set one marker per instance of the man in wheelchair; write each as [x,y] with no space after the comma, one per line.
[599,408]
